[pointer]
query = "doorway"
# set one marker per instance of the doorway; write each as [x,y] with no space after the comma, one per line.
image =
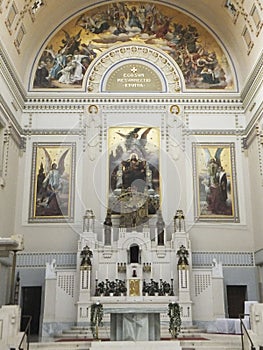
[236,297]
[31,305]
[134,254]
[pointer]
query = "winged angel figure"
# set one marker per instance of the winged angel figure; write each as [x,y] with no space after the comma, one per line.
[216,185]
[134,143]
[51,186]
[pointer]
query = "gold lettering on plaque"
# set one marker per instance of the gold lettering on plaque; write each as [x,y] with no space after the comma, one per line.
[134,77]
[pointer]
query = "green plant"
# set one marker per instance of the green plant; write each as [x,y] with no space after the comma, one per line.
[96,316]
[175,319]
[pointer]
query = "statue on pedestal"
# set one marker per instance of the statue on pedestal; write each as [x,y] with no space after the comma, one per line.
[86,254]
[179,221]
[183,256]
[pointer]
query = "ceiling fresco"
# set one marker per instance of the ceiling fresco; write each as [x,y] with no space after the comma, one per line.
[68,55]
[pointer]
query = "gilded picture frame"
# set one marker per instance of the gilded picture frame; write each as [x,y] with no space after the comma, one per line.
[52,182]
[215,185]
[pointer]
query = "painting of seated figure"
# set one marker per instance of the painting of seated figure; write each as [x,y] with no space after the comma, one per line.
[134,184]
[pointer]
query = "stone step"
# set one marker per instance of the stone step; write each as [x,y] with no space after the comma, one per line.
[191,338]
[218,344]
[65,345]
[85,333]
[213,342]
[191,330]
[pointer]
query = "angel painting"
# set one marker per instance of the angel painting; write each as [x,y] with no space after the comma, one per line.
[214,181]
[135,143]
[53,181]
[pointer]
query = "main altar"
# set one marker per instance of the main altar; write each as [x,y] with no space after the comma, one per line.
[130,267]
[134,277]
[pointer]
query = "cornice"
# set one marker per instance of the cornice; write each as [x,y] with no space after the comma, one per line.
[213,108]
[253,83]
[251,127]
[79,103]
[39,108]
[207,132]
[17,138]
[16,131]
[57,132]
[11,78]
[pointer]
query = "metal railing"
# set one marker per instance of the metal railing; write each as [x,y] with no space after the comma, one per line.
[26,333]
[244,329]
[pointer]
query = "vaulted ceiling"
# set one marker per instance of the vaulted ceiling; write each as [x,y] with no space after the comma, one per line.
[29,24]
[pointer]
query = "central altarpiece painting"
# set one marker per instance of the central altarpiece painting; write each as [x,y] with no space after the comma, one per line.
[134,180]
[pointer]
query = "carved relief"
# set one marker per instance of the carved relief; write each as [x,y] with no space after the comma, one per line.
[93,130]
[135,76]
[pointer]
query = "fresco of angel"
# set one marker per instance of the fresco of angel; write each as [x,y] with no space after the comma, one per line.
[214,181]
[135,143]
[52,181]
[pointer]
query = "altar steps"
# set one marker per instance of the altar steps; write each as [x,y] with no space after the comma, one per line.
[74,345]
[80,338]
[84,333]
[212,342]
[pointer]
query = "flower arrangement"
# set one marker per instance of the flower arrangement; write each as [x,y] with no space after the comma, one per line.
[96,316]
[175,319]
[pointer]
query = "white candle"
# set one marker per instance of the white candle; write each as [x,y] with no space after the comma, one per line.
[160,271]
[107,272]
[151,271]
[96,274]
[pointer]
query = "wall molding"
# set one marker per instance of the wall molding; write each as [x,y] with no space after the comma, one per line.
[199,259]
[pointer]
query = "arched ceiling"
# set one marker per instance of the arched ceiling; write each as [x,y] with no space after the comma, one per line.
[29,24]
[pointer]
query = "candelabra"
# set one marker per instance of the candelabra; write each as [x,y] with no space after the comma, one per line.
[172,287]
[147,267]
[121,267]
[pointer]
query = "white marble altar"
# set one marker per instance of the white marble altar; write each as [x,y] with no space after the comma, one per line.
[135,326]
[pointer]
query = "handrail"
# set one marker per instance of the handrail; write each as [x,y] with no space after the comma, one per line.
[26,332]
[243,327]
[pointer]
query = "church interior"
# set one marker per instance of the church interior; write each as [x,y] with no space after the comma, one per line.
[131,168]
